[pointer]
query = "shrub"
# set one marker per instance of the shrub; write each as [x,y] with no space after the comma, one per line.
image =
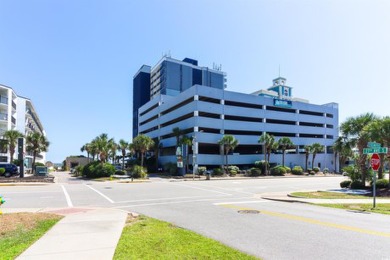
[170,168]
[139,172]
[382,183]
[352,172]
[357,185]
[232,170]
[120,172]
[261,165]
[97,169]
[316,169]
[2,171]
[326,170]
[345,184]
[297,170]
[202,170]
[253,172]
[78,171]
[309,170]
[39,164]
[278,171]
[217,172]
[288,169]
[312,172]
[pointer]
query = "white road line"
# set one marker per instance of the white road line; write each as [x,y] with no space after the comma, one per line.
[67,197]
[23,192]
[188,186]
[241,202]
[162,203]
[171,198]
[98,192]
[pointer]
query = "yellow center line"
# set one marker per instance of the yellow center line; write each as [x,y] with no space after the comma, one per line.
[311,221]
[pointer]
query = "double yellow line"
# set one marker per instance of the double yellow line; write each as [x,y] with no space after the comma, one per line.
[311,221]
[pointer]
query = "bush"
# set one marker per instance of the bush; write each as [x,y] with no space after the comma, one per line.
[316,169]
[278,171]
[261,165]
[39,164]
[233,170]
[312,172]
[382,183]
[288,169]
[120,172]
[326,170]
[353,172]
[297,170]
[2,171]
[345,184]
[170,168]
[357,185]
[253,172]
[202,170]
[139,172]
[78,171]
[97,170]
[217,172]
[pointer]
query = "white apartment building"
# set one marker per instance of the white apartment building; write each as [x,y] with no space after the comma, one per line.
[18,113]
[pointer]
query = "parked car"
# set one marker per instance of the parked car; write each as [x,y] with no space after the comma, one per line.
[10,169]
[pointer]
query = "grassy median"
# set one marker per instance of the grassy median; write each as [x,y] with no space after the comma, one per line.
[327,195]
[380,208]
[148,238]
[20,230]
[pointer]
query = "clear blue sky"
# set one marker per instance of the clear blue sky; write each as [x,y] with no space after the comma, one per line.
[76,59]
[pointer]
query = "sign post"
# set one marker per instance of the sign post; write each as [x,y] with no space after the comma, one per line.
[375,164]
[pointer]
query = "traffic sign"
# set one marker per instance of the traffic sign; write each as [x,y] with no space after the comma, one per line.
[373,145]
[375,150]
[375,162]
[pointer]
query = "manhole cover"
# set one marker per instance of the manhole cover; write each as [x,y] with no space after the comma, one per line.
[108,187]
[249,211]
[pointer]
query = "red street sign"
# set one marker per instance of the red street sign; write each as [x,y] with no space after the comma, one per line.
[375,162]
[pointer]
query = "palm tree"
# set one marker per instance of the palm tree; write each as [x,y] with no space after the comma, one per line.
[93,149]
[12,136]
[186,141]
[316,148]
[86,147]
[142,143]
[177,132]
[379,131]
[268,142]
[307,154]
[284,144]
[354,130]
[36,143]
[113,147]
[342,148]
[228,142]
[122,147]
[103,145]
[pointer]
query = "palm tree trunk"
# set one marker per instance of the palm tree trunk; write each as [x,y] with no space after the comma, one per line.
[265,159]
[142,159]
[335,162]
[123,160]
[283,158]
[380,171]
[307,159]
[33,162]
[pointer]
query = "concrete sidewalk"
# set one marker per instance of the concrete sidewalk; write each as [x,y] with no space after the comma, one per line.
[285,197]
[81,234]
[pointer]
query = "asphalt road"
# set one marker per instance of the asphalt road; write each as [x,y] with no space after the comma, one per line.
[230,211]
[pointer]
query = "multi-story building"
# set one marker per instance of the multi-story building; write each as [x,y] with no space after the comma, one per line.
[18,113]
[207,113]
[171,77]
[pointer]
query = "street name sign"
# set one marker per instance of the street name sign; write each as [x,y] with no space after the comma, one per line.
[375,150]
[373,145]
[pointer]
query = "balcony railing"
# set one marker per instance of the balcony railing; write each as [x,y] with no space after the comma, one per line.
[13,120]
[13,105]
[3,100]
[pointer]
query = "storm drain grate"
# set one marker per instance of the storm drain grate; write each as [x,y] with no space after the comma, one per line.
[249,211]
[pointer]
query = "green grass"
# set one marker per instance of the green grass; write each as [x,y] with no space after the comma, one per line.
[380,208]
[327,195]
[16,242]
[149,238]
